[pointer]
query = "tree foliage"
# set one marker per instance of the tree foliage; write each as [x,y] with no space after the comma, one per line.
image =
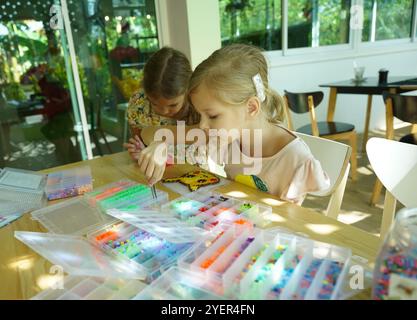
[253,21]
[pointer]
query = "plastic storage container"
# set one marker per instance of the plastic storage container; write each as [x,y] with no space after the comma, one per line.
[69,183]
[395,274]
[164,226]
[248,263]
[13,208]
[137,196]
[92,288]
[177,284]
[207,210]
[23,187]
[137,247]
[107,190]
[74,216]
[80,216]
[79,257]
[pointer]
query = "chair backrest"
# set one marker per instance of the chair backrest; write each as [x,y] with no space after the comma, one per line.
[333,156]
[395,165]
[298,102]
[403,107]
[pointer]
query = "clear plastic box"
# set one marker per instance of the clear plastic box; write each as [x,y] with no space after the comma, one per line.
[108,190]
[79,257]
[177,284]
[395,273]
[138,247]
[206,210]
[80,216]
[93,288]
[12,208]
[69,183]
[210,256]
[73,216]
[23,186]
[136,196]
[249,263]
[164,226]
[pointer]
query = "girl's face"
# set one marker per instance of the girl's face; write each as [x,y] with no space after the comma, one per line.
[214,113]
[166,107]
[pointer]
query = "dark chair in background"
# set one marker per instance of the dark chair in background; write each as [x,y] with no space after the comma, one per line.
[404,108]
[306,102]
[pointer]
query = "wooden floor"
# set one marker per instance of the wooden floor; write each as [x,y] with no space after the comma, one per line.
[356,209]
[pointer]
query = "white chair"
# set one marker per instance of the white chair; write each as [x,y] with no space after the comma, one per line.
[334,158]
[395,165]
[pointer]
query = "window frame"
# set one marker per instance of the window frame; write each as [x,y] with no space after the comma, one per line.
[354,48]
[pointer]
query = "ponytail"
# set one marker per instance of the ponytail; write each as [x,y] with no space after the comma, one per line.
[274,107]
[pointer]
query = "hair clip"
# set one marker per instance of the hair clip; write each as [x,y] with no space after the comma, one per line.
[259,86]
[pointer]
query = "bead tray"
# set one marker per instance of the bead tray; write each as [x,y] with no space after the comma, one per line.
[138,247]
[164,226]
[133,197]
[69,183]
[249,263]
[92,288]
[177,284]
[207,210]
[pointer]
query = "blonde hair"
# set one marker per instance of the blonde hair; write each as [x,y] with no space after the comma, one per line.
[228,74]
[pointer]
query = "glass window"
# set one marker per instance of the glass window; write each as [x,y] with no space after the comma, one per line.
[113,40]
[256,22]
[313,23]
[385,20]
[38,109]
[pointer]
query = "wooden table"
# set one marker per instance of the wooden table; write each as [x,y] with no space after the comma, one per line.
[23,273]
[370,87]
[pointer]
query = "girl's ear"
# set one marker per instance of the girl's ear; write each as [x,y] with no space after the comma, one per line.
[253,106]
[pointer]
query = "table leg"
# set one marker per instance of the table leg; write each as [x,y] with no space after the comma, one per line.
[332,104]
[367,121]
[414,128]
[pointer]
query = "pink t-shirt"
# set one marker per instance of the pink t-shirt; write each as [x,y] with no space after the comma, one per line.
[290,174]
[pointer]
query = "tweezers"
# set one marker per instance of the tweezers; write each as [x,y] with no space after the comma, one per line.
[154,195]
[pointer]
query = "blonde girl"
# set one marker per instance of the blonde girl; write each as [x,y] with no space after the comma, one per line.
[230,90]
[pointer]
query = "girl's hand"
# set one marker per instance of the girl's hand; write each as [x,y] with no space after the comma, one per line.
[152,161]
[134,147]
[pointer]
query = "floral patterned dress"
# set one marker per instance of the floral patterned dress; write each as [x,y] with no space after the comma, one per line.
[140,114]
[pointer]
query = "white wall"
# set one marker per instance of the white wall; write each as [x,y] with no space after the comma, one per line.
[204,31]
[349,108]
[191,26]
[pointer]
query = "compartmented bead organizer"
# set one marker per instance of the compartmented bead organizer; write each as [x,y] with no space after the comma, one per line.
[132,246]
[206,210]
[177,284]
[138,247]
[161,225]
[69,183]
[126,194]
[212,238]
[92,288]
[81,215]
[248,263]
